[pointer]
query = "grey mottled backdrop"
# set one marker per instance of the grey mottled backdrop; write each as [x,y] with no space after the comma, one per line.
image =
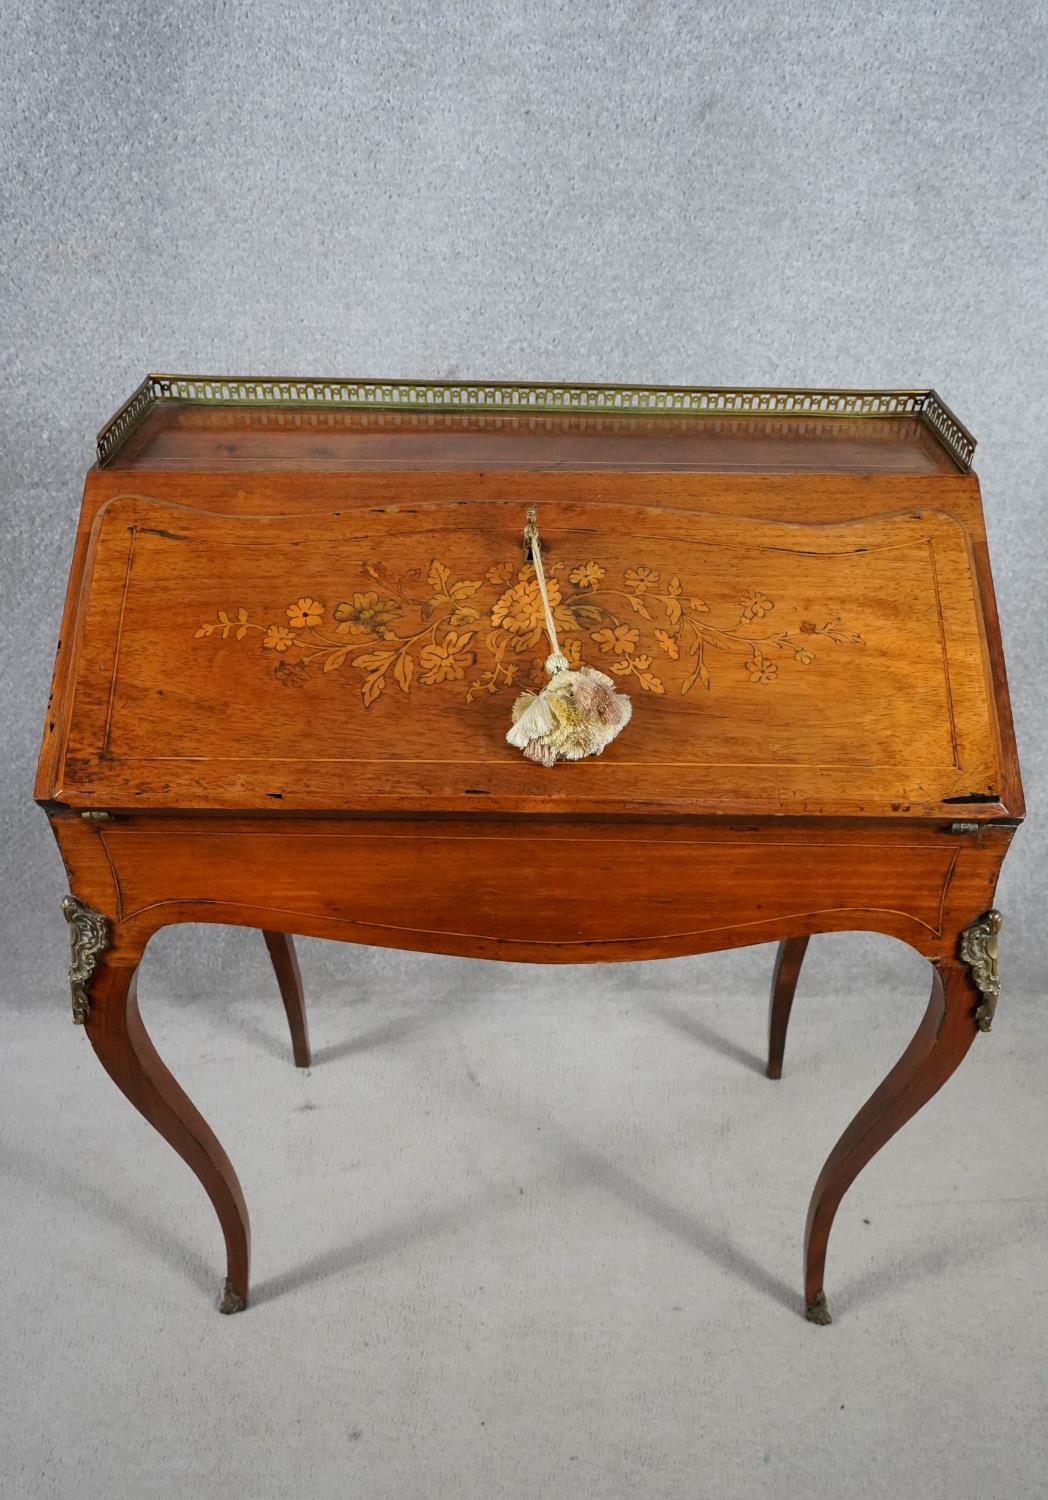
[521,1232]
[799,193]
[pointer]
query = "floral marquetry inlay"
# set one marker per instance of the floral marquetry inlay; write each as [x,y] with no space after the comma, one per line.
[487,633]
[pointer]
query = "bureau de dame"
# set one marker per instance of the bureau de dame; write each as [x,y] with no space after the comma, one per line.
[299,615]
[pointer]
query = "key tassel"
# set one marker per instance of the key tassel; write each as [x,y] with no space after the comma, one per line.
[578,712]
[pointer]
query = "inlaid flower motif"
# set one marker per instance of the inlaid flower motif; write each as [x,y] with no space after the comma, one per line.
[520,608]
[587,576]
[365,614]
[621,639]
[640,580]
[804,656]
[305,612]
[291,673]
[278,638]
[755,606]
[446,660]
[761,669]
[668,644]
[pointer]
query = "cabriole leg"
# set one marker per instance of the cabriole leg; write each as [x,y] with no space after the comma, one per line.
[956,1014]
[784,982]
[106,1001]
[289,978]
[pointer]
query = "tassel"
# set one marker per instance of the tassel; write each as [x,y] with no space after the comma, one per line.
[578,712]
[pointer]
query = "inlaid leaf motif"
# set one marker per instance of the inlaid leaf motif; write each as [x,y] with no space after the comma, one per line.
[699,674]
[404,670]
[372,659]
[438,576]
[464,590]
[371,689]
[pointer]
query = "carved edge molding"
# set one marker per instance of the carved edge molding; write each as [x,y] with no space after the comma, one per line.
[502,396]
[88,939]
[979,952]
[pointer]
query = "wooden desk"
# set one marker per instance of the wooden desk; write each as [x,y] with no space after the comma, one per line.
[299,614]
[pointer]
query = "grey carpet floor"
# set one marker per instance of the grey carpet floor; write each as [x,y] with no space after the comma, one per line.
[525,1232]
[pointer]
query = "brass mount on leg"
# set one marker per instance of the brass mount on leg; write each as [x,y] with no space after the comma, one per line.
[88,938]
[979,952]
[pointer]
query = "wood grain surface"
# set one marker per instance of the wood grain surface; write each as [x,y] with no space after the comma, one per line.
[368,659]
[544,891]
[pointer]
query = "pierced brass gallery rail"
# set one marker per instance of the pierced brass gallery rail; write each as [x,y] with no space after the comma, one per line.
[533,397]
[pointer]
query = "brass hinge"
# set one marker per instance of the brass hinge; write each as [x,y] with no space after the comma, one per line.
[964,827]
[91,816]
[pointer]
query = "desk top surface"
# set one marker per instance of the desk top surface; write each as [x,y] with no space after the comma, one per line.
[268,617]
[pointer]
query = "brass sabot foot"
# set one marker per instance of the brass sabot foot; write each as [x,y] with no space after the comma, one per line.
[232,1301]
[817,1311]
